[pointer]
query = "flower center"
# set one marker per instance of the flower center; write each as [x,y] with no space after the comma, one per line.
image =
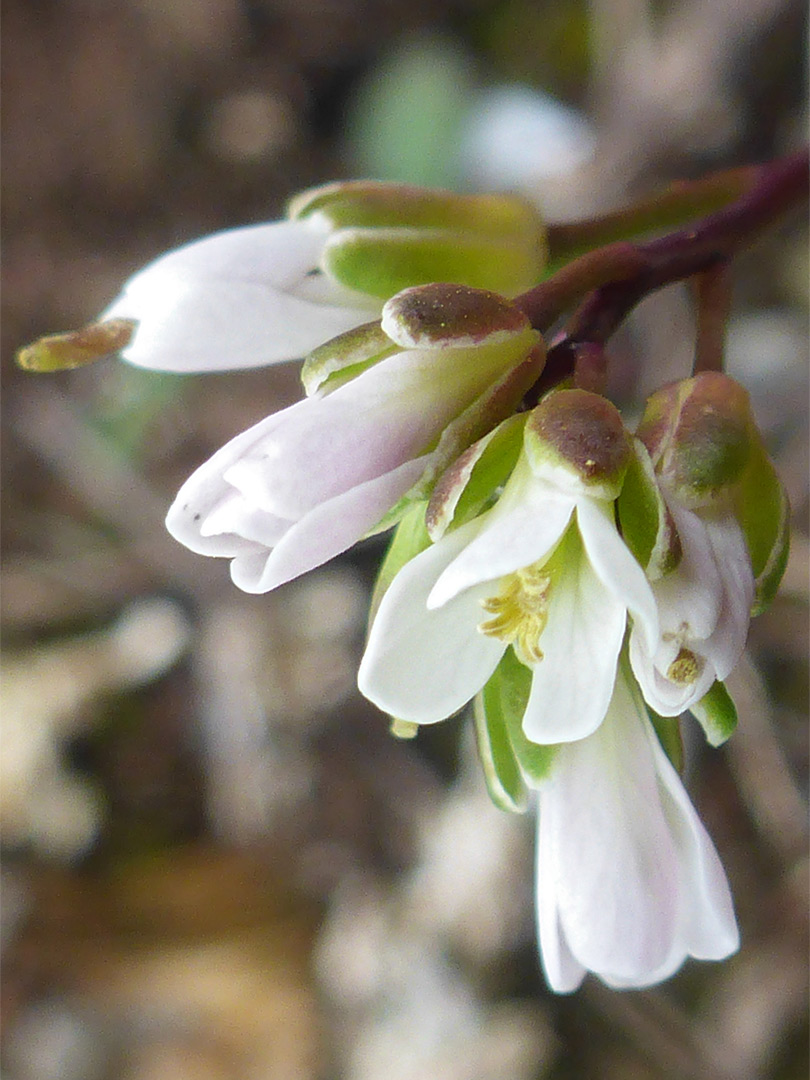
[685,668]
[520,612]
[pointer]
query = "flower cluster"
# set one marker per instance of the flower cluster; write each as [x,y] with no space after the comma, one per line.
[582,584]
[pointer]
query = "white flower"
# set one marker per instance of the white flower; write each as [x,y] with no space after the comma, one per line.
[306,483]
[544,571]
[704,608]
[238,299]
[265,293]
[628,882]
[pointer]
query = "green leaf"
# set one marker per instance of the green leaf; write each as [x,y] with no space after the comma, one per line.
[410,538]
[716,714]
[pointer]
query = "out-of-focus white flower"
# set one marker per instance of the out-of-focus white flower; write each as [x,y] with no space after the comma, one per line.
[446,364]
[266,293]
[237,299]
[544,571]
[628,882]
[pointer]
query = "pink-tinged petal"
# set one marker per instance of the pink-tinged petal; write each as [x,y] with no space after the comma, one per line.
[206,491]
[563,972]
[573,684]
[390,413]
[523,527]
[329,529]
[422,666]
[615,861]
[726,644]
[236,299]
[616,567]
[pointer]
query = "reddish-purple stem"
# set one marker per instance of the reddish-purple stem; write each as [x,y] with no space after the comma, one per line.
[622,274]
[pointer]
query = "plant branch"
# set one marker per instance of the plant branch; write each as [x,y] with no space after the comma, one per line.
[617,277]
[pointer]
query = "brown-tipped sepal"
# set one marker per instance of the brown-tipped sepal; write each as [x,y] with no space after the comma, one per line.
[578,438]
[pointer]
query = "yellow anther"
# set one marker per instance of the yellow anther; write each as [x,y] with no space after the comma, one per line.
[685,668]
[520,612]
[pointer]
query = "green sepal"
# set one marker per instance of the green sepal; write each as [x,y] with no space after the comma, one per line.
[716,713]
[502,773]
[377,204]
[465,489]
[668,731]
[344,357]
[699,435]
[410,538]
[644,521]
[762,509]
[513,681]
[382,262]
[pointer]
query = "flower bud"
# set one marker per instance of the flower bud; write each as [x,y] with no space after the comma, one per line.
[386,237]
[581,434]
[698,433]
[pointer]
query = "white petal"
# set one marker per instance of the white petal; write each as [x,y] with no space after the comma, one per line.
[692,593]
[708,929]
[616,567]
[616,864]
[323,446]
[232,300]
[573,684]
[524,525]
[331,528]
[206,491]
[420,665]
[727,642]
[563,971]
[666,697]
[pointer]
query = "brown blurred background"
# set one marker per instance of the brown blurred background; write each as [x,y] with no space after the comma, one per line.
[217,863]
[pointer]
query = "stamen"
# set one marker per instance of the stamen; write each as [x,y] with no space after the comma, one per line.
[685,668]
[520,612]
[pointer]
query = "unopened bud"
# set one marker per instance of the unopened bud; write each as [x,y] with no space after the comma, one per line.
[698,433]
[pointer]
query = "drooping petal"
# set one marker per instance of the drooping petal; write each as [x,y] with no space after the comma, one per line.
[573,684]
[421,665]
[708,930]
[523,526]
[236,299]
[636,886]
[563,971]
[614,861]
[615,566]
[326,531]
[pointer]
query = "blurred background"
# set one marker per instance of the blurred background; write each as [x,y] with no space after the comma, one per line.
[217,864]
